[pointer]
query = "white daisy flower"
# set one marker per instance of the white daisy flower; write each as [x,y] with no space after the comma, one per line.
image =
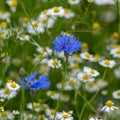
[53,95]
[12,4]
[86,55]
[56,11]
[116,94]
[13,86]
[74,2]
[4,15]
[36,106]
[51,113]
[117,72]
[91,87]
[115,52]
[7,115]
[104,2]
[84,77]
[109,106]
[35,28]
[23,37]
[65,115]
[90,71]
[7,94]
[54,63]
[107,63]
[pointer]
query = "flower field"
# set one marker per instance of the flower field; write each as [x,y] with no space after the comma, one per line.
[59,59]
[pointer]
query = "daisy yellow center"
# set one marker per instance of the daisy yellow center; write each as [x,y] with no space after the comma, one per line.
[76,65]
[36,105]
[118,93]
[23,35]
[4,114]
[1,108]
[66,11]
[35,24]
[25,20]
[73,82]
[90,1]
[44,21]
[3,24]
[85,77]
[84,46]
[65,115]
[13,85]
[1,35]
[109,103]
[6,91]
[52,112]
[107,62]
[54,62]
[87,55]
[92,71]
[56,10]
[96,25]
[45,11]
[91,84]
[118,51]
[40,55]
[52,93]
[14,3]
[115,35]
[96,56]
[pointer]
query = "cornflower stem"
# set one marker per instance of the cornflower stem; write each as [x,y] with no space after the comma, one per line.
[63,79]
[22,103]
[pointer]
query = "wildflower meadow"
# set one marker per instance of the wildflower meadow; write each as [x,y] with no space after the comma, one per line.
[59,59]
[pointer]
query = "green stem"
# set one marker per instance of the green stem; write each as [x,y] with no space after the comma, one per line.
[118,15]
[63,79]
[22,103]
[24,9]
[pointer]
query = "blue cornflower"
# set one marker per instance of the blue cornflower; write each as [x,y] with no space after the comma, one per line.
[31,82]
[68,44]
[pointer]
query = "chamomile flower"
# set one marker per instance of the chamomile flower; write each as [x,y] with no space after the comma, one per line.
[116,94]
[53,95]
[91,71]
[84,77]
[4,15]
[7,115]
[117,72]
[16,112]
[104,2]
[86,55]
[51,113]
[73,2]
[45,51]
[109,106]
[36,106]
[13,86]
[12,4]
[65,115]
[23,37]
[91,87]
[56,11]
[115,52]
[54,63]
[7,94]
[68,13]
[107,63]
[35,27]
